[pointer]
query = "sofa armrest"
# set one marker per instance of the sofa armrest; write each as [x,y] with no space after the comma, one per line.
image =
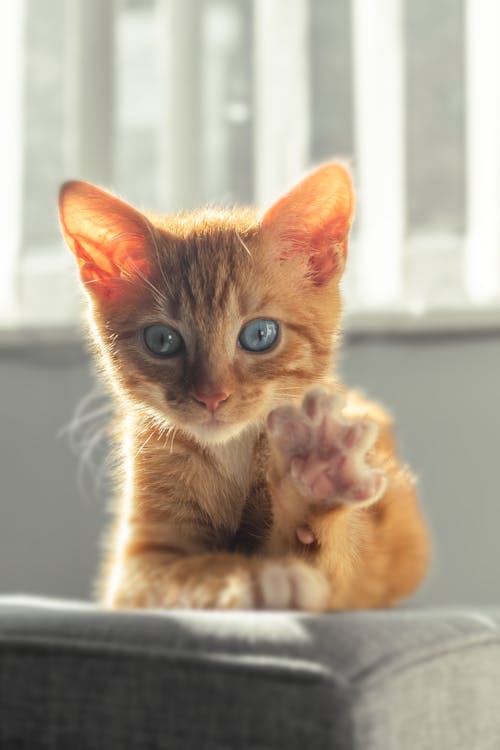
[74,676]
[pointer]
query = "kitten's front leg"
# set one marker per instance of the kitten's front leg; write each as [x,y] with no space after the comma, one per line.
[156,576]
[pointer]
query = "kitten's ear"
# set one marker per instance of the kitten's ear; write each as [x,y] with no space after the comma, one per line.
[110,239]
[313,219]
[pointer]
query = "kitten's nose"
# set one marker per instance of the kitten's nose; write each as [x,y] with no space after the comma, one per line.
[210,400]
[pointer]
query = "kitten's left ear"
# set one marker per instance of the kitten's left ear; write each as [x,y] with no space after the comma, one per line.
[313,219]
[110,239]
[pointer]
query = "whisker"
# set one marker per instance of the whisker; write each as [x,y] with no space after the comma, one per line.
[87,433]
[86,465]
[173,438]
[158,295]
[80,421]
[287,393]
[146,441]
[244,245]
[168,431]
[154,240]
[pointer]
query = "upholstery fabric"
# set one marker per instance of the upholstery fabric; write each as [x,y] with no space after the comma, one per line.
[74,676]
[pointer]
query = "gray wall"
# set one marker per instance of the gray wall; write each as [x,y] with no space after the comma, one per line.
[444,391]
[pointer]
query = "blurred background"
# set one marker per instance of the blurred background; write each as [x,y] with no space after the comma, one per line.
[177,103]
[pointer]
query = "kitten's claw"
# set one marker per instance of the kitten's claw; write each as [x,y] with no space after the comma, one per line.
[326,453]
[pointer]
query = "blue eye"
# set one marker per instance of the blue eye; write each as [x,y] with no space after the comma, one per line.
[259,335]
[163,341]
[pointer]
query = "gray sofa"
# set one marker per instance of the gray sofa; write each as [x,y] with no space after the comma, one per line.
[73,676]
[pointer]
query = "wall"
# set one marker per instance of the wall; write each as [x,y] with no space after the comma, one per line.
[444,391]
[446,395]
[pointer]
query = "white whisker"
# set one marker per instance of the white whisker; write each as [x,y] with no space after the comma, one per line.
[146,441]
[174,432]
[243,244]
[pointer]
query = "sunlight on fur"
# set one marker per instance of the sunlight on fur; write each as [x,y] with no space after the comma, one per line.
[249,476]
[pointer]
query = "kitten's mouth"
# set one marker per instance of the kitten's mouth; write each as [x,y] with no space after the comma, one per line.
[214,423]
[215,430]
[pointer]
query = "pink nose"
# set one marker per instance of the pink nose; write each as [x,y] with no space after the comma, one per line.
[210,400]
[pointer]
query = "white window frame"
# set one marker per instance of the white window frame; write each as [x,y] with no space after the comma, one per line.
[11,76]
[378,301]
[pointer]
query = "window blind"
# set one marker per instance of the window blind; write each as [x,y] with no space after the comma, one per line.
[177,103]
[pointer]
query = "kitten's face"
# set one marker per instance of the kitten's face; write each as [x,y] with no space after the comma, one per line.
[209,320]
[224,336]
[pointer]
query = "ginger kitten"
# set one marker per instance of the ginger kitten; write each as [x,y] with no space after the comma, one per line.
[250,478]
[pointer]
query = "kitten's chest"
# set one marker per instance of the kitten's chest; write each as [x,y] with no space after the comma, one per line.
[235,461]
[246,473]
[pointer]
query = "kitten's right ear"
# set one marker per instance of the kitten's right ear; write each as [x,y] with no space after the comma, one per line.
[110,239]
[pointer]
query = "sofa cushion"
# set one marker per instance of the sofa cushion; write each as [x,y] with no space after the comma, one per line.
[74,676]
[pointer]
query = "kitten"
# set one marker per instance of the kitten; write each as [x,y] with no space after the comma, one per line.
[250,476]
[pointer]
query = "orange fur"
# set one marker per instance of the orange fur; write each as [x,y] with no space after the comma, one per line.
[207,513]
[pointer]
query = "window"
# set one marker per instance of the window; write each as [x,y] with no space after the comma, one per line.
[175,103]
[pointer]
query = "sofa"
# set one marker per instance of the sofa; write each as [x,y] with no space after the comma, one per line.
[74,676]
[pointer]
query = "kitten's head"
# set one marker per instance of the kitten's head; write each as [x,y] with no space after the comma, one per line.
[208,320]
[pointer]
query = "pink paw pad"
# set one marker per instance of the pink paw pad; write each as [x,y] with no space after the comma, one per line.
[327,452]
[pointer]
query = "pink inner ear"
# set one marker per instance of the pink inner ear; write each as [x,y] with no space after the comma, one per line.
[325,255]
[313,219]
[107,271]
[109,238]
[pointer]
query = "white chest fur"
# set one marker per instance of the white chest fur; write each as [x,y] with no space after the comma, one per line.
[235,459]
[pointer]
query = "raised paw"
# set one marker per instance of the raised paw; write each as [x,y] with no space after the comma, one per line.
[326,453]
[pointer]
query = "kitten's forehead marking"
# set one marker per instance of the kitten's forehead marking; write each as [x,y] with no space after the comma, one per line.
[208,267]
